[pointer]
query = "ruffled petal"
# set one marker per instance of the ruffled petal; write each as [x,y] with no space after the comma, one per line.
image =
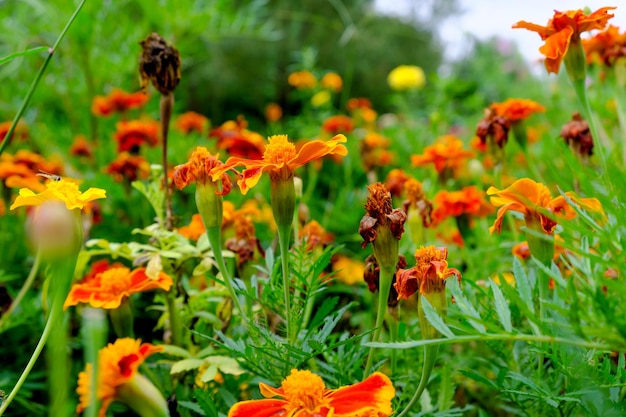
[316,149]
[555,48]
[373,394]
[259,408]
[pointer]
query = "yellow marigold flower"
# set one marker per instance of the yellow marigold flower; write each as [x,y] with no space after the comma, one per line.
[406,77]
[332,81]
[109,288]
[347,270]
[302,80]
[303,394]
[117,365]
[63,190]
[320,98]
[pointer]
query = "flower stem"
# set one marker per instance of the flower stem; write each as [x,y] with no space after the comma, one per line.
[430,354]
[384,286]
[27,284]
[284,232]
[166,105]
[176,327]
[35,82]
[215,239]
[94,335]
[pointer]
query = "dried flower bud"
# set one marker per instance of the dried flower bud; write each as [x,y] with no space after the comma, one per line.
[159,63]
[578,136]
[494,127]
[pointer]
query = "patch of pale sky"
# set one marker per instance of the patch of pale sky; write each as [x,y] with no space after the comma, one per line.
[486,18]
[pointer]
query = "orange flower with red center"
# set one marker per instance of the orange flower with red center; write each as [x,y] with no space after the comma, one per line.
[234,138]
[563,30]
[303,394]
[195,229]
[109,288]
[191,122]
[535,202]
[130,135]
[605,47]
[446,153]
[469,200]
[128,167]
[118,101]
[338,124]
[515,109]
[302,80]
[118,364]
[428,275]
[200,169]
[280,159]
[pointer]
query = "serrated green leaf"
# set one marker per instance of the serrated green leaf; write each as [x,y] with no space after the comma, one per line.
[472,315]
[434,318]
[502,307]
[192,406]
[186,365]
[209,374]
[523,284]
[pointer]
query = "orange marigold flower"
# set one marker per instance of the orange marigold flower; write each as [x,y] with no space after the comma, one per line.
[130,135]
[469,200]
[20,131]
[128,168]
[107,289]
[118,363]
[446,153]
[191,122]
[358,103]
[395,181]
[521,251]
[234,137]
[195,229]
[118,101]
[304,394]
[605,47]
[428,275]
[199,169]
[280,159]
[81,147]
[315,235]
[273,112]
[338,124]
[302,80]
[534,200]
[564,29]
[332,81]
[515,109]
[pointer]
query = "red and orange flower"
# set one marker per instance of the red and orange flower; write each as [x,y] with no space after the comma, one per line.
[128,167]
[303,394]
[192,122]
[428,275]
[118,101]
[130,135]
[446,153]
[514,109]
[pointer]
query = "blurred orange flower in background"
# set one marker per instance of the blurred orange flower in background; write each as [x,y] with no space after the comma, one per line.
[332,81]
[81,147]
[118,101]
[128,167]
[302,80]
[273,112]
[446,153]
[192,122]
[564,29]
[130,135]
[515,109]
[605,47]
[234,137]
[338,124]
[20,131]
[469,200]
[194,230]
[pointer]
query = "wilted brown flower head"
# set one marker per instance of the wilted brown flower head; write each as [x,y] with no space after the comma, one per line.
[380,213]
[495,126]
[416,200]
[578,136]
[371,275]
[159,63]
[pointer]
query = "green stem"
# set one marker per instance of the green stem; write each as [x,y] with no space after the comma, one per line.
[384,286]
[176,326]
[581,93]
[430,354]
[215,239]
[35,83]
[392,324]
[94,335]
[284,232]
[58,364]
[27,284]
[29,366]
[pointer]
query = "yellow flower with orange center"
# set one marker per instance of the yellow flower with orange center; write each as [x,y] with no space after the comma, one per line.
[303,394]
[62,190]
[118,364]
[515,109]
[563,31]
[281,159]
[109,288]
[535,202]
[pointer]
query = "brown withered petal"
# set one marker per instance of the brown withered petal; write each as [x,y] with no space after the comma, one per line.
[493,125]
[378,203]
[367,230]
[159,63]
[244,249]
[407,283]
[576,134]
[396,218]
[371,275]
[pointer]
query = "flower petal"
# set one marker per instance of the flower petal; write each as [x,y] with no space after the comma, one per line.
[258,408]
[373,394]
[316,149]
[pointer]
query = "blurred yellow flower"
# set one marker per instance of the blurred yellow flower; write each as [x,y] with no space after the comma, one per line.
[320,98]
[332,81]
[348,271]
[406,77]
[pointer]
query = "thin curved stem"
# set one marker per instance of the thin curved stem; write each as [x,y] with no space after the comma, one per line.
[384,287]
[430,354]
[35,82]
[29,366]
[27,284]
